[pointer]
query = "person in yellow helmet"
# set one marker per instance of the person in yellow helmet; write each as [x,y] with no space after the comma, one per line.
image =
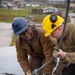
[53,26]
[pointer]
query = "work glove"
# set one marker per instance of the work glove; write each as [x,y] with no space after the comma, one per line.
[59,54]
[35,72]
[28,73]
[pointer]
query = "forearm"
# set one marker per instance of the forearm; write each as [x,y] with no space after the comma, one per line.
[24,64]
[49,68]
[62,64]
[70,57]
[28,73]
[22,58]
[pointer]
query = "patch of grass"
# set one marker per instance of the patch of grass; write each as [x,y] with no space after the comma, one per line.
[7,15]
[13,40]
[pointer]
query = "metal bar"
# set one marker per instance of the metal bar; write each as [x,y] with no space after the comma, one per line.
[66,16]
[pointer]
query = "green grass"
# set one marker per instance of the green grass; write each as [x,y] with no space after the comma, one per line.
[13,40]
[7,15]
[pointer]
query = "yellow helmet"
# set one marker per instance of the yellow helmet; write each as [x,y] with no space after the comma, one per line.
[50,23]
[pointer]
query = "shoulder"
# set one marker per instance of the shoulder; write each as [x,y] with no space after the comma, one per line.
[44,39]
[39,29]
[36,28]
[70,30]
[71,25]
[20,41]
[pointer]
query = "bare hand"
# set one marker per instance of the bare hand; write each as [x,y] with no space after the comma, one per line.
[28,73]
